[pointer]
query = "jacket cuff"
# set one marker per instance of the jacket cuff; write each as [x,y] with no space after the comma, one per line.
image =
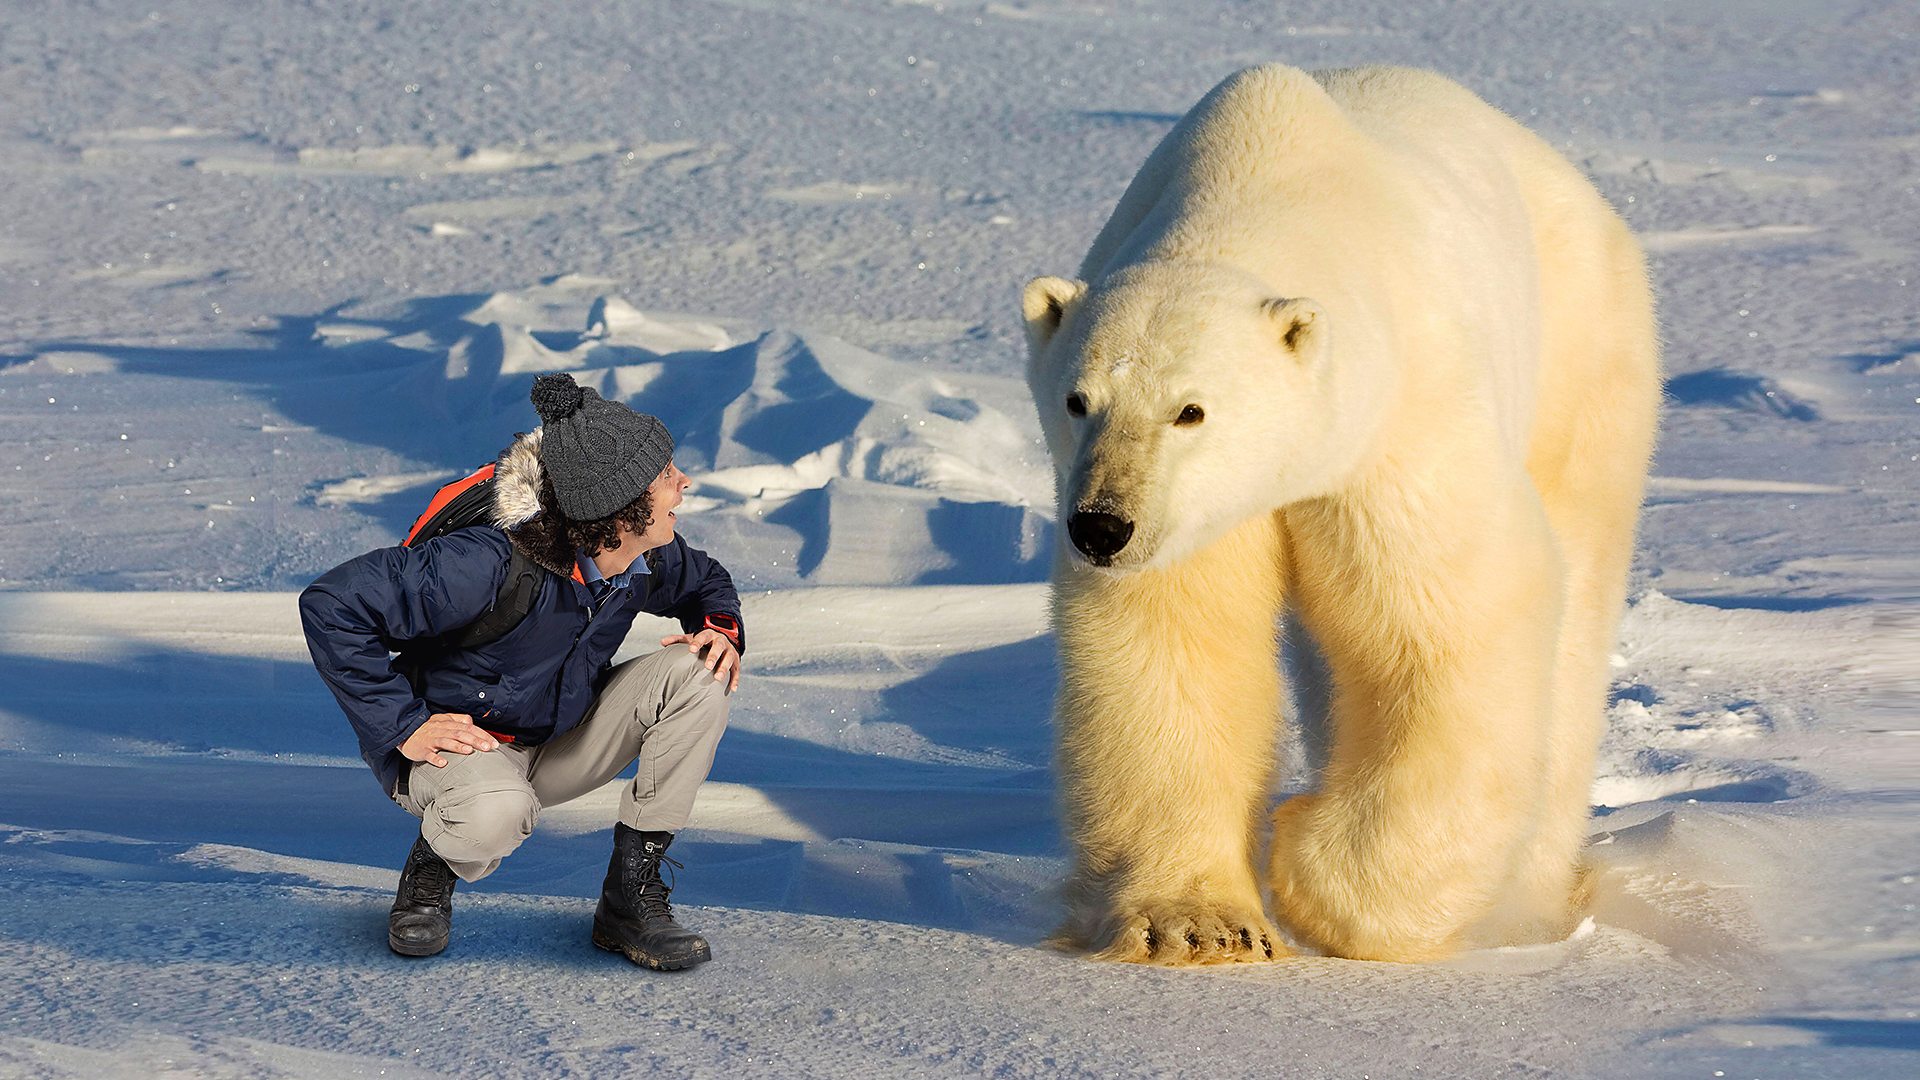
[411,718]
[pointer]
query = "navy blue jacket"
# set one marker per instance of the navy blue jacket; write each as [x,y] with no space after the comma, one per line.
[535,683]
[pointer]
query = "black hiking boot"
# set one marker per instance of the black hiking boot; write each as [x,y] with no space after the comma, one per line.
[634,918]
[422,915]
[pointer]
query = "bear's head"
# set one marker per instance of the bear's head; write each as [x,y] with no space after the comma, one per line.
[1178,400]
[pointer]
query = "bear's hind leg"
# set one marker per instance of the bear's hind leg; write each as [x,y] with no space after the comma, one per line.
[1602,399]
[1540,901]
[1598,416]
[1168,709]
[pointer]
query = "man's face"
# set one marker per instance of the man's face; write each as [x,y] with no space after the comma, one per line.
[664,494]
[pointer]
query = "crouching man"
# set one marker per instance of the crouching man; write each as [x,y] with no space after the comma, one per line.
[474,739]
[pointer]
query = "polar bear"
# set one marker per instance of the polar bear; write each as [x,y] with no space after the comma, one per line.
[1356,345]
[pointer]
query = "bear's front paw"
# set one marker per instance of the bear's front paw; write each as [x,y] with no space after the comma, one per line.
[1189,933]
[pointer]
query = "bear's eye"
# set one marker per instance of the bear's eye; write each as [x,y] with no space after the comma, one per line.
[1192,414]
[1076,405]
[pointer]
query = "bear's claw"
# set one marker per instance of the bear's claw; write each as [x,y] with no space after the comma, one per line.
[1176,938]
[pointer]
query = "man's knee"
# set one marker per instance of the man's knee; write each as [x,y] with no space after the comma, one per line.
[687,670]
[480,825]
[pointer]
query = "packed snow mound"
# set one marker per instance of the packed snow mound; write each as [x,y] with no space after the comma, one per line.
[813,460]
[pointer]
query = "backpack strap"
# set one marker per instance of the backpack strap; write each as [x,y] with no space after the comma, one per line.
[510,605]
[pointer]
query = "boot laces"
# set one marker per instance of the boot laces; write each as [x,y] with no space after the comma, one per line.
[429,879]
[645,888]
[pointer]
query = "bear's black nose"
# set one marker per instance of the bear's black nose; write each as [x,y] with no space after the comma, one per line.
[1099,536]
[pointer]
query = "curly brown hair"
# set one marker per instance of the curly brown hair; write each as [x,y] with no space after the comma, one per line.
[550,531]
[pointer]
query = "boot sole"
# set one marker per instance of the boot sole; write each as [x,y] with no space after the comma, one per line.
[613,945]
[405,949]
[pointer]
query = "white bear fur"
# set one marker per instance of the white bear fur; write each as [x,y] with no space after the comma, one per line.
[1426,353]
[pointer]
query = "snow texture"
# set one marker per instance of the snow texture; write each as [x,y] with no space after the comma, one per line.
[274,271]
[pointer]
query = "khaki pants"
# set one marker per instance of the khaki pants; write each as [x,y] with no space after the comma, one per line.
[666,709]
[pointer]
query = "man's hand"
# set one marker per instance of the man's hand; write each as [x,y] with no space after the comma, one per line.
[445,731]
[721,657]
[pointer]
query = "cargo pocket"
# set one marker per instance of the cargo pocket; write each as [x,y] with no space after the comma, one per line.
[645,774]
[659,754]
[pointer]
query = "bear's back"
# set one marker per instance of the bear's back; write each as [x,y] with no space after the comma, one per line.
[1383,138]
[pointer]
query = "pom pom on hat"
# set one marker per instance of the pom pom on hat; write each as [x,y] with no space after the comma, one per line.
[556,397]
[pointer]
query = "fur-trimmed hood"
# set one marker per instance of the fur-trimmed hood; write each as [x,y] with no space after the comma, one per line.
[518,478]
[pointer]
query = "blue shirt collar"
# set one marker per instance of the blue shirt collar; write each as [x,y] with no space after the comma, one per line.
[591,574]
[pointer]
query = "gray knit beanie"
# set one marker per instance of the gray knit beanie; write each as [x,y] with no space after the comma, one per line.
[599,454]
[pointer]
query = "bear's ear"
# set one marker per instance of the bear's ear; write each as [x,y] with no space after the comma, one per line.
[1301,325]
[1045,303]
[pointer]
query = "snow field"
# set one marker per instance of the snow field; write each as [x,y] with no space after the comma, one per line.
[272,274]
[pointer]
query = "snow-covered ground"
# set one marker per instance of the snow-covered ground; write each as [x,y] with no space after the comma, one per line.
[271,271]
